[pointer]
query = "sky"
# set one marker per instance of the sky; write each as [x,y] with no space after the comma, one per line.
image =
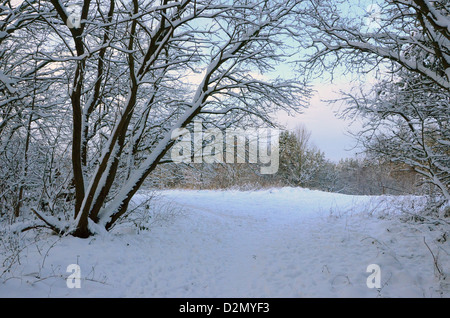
[328,132]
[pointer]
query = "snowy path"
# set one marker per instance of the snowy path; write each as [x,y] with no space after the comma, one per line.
[295,247]
[271,243]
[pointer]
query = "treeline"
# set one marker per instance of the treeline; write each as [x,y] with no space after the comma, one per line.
[301,164]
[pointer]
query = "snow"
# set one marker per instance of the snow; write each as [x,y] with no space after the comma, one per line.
[286,242]
[6,80]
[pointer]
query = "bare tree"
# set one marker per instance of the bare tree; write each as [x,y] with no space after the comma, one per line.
[28,96]
[127,70]
[294,156]
[407,48]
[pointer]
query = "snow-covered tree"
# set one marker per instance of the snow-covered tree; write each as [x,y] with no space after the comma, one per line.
[32,113]
[135,71]
[407,49]
[303,164]
[295,153]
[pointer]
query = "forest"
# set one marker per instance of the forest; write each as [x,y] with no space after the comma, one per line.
[98,101]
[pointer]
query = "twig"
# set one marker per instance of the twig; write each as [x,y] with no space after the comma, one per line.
[431,220]
[51,226]
[32,227]
[434,258]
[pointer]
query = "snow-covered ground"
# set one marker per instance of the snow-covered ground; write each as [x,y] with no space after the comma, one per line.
[285,242]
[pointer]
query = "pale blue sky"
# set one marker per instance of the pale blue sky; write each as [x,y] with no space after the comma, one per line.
[328,132]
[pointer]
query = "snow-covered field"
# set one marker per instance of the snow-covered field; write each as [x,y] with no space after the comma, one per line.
[285,242]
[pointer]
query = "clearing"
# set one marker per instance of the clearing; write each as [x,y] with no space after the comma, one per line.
[286,242]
